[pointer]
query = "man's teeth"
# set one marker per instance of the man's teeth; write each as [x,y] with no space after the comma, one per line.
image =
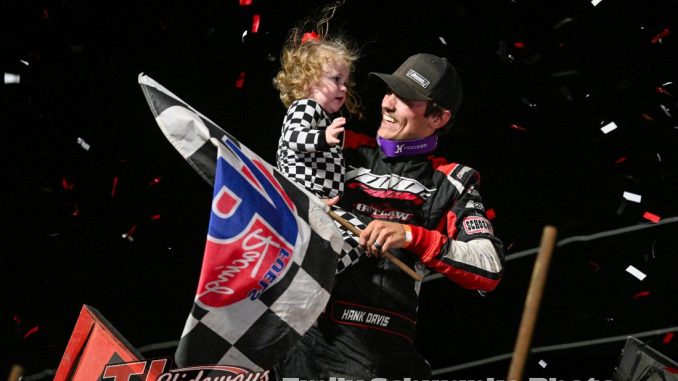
[389,118]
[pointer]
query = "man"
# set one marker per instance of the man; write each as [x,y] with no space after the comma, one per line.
[426,213]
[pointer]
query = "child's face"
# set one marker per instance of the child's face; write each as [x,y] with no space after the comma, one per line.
[330,91]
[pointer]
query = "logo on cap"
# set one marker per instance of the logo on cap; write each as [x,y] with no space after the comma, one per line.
[420,79]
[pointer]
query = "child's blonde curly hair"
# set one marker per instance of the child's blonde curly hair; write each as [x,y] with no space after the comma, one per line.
[302,60]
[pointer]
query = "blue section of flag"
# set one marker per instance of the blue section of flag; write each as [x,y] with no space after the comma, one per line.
[273,210]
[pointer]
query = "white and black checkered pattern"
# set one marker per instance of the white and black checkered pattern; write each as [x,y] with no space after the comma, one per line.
[250,333]
[351,251]
[303,153]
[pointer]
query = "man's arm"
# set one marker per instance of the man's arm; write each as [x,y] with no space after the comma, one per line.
[463,248]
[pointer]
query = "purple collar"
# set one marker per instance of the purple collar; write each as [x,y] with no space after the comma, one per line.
[398,148]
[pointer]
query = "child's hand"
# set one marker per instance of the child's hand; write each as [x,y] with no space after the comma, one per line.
[333,130]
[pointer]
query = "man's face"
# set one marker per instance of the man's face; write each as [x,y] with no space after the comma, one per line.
[402,119]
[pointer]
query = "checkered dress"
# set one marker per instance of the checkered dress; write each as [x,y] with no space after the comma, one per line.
[303,153]
[304,156]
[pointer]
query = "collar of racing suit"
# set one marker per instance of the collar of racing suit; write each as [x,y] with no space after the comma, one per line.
[398,148]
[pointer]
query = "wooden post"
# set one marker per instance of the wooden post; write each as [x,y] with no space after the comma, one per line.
[532,300]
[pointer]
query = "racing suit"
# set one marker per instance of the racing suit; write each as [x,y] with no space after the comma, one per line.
[369,325]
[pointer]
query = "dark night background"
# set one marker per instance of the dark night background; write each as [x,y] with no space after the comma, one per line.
[121,226]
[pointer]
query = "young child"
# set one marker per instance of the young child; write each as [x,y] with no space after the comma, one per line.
[315,83]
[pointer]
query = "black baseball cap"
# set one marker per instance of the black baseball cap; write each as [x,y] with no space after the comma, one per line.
[426,77]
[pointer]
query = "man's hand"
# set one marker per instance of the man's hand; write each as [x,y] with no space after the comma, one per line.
[333,130]
[331,201]
[380,236]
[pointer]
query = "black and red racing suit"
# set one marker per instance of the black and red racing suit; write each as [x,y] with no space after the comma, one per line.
[369,325]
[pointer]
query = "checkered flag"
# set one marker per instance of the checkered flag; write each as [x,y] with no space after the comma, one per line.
[271,251]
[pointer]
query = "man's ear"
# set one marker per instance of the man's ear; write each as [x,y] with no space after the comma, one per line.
[438,121]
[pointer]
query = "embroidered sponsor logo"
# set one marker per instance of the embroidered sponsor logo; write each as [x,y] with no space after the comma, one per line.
[420,79]
[477,224]
[380,214]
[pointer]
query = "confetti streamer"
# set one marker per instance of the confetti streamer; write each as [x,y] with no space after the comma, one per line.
[662,90]
[518,127]
[667,338]
[632,197]
[83,144]
[240,82]
[666,111]
[659,36]
[651,217]
[542,363]
[635,272]
[255,23]
[31,332]
[609,127]
[130,233]
[11,78]
[596,267]
[115,186]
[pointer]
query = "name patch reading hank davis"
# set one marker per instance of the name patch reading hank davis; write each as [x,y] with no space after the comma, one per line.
[477,224]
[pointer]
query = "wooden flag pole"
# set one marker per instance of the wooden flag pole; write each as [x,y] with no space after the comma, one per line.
[387,254]
[532,300]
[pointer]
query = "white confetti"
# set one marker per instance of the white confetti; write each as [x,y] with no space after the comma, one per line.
[609,127]
[635,272]
[667,83]
[83,144]
[442,40]
[12,78]
[24,62]
[632,197]
[243,35]
[664,108]
[659,157]
[595,2]
[542,363]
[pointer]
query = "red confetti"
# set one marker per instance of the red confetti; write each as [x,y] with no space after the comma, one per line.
[130,233]
[667,338]
[31,331]
[115,186]
[67,185]
[240,82]
[17,318]
[155,217]
[672,370]
[45,14]
[155,181]
[76,211]
[491,215]
[647,117]
[641,294]
[651,217]
[519,45]
[660,35]
[255,23]
[662,90]
[620,160]
[518,127]
[244,3]
[595,266]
